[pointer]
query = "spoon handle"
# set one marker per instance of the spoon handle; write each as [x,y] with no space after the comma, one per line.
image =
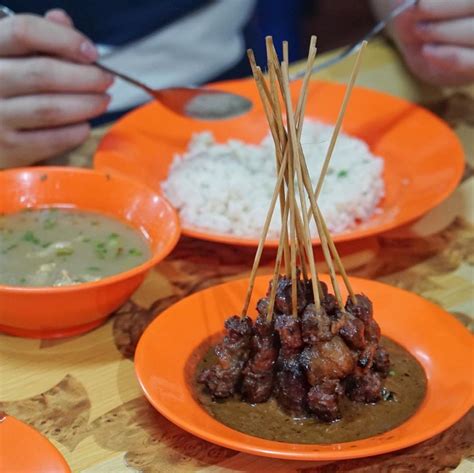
[126,78]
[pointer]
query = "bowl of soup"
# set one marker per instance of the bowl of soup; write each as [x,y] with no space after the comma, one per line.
[74,246]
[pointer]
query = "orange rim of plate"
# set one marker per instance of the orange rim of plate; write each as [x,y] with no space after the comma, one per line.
[23,449]
[424,159]
[170,348]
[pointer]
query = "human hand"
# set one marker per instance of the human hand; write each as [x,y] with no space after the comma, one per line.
[436,38]
[48,87]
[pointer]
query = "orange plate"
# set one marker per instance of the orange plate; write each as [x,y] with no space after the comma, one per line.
[167,354]
[24,450]
[50,312]
[424,160]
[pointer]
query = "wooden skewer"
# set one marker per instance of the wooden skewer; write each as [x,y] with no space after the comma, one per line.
[296,161]
[286,57]
[274,68]
[322,234]
[340,118]
[273,96]
[276,272]
[337,258]
[291,197]
[299,226]
[263,236]
[337,128]
[271,209]
[273,71]
[272,110]
[304,87]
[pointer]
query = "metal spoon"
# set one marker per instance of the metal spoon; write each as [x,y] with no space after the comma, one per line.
[194,102]
[354,47]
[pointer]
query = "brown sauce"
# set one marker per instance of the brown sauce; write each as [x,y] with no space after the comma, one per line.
[407,381]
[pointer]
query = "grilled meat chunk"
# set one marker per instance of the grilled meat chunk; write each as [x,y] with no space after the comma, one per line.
[283,304]
[315,325]
[366,387]
[327,360]
[323,400]
[223,378]
[381,362]
[257,384]
[352,330]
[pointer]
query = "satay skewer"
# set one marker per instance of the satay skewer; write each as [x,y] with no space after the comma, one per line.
[281,134]
[272,97]
[275,72]
[291,198]
[276,271]
[337,258]
[293,139]
[273,118]
[322,235]
[325,167]
[263,236]
[273,113]
[340,118]
[325,241]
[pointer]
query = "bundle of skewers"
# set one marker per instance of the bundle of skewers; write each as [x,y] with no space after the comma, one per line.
[307,347]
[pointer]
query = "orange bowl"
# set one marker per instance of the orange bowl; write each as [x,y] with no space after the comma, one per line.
[50,312]
[171,347]
[423,158]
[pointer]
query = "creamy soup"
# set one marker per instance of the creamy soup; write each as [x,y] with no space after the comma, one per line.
[60,247]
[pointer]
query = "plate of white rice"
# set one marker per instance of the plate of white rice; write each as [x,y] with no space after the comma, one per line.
[226,188]
[393,161]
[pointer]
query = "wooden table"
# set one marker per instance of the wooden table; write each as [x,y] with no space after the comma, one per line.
[82,392]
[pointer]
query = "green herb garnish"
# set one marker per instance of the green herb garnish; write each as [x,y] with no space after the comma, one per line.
[101,250]
[49,223]
[66,251]
[134,252]
[93,268]
[113,240]
[342,173]
[30,237]
[8,248]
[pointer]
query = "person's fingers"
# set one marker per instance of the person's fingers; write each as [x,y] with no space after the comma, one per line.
[22,76]
[440,9]
[27,147]
[456,63]
[50,110]
[458,32]
[59,16]
[25,34]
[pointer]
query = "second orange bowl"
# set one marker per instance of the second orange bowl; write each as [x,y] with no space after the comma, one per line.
[50,312]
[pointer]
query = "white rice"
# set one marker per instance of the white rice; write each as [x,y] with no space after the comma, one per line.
[227,187]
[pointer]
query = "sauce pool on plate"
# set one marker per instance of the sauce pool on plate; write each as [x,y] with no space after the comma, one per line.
[406,384]
[61,247]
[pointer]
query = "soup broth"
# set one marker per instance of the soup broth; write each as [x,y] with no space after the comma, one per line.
[61,247]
